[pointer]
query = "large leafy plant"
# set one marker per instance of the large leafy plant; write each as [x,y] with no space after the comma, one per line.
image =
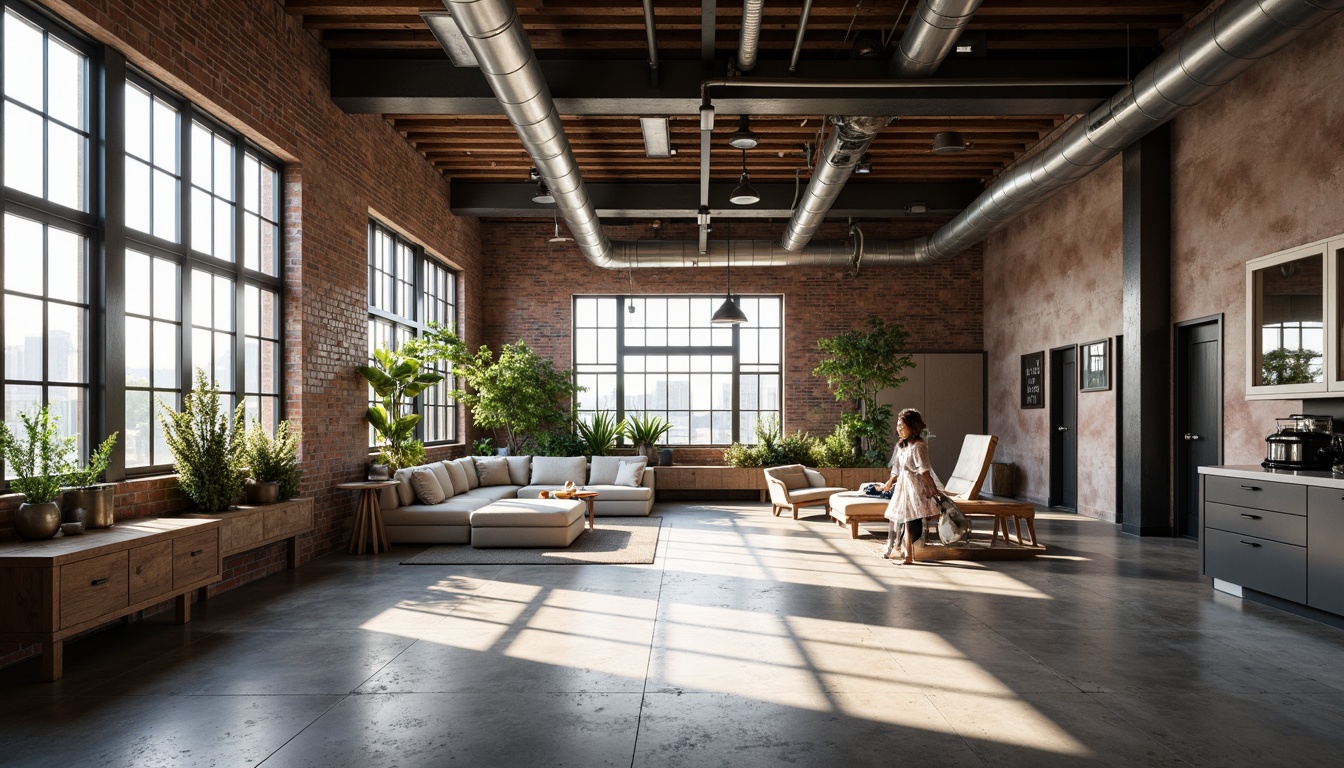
[857,365]
[397,377]
[599,433]
[274,459]
[37,456]
[207,444]
[644,430]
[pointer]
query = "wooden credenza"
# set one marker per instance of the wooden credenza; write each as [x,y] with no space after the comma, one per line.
[246,528]
[53,589]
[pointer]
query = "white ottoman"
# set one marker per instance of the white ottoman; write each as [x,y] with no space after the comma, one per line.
[528,523]
[854,507]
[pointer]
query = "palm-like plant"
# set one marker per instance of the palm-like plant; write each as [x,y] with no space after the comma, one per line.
[600,433]
[396,378]
[644,430]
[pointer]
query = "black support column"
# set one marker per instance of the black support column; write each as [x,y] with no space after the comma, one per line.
[110,261]
[1146,390]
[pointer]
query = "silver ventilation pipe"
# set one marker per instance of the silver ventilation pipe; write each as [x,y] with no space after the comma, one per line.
[929,38]
[750,38]
[496,37]
[1211,55]
[762,253]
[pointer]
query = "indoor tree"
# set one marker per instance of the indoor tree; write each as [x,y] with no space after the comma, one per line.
[857,365]
[397,377]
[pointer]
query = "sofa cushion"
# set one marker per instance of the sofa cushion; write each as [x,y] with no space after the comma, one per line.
[427,487]
[455,511]
[405,492]
[459,476]
[492,470]
[520,469]
[529,513]
[630,473]
[445,479]
[558,470]
[489,493]
[792,476]
[604,469]
[468,465]
[388,498]
[813,494]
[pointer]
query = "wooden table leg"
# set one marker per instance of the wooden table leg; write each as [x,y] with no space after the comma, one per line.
[591,516]
[357,531]
[1031,529]
[853,529]
[292,551]
[379,530]
[183,606]
[53,659]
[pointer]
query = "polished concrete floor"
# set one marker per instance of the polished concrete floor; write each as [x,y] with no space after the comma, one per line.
[751,641]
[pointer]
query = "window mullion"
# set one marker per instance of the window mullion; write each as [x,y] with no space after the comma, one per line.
[185,235]
[109,113]
[239,288]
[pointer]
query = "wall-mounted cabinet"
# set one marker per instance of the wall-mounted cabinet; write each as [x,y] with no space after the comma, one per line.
[1293,333]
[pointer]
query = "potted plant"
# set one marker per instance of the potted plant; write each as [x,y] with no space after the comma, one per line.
[397,377]
[272,463]
[84,492]
[857,366]
[37,459]
[599,434]
[482,446]
[207,445]
[644,430]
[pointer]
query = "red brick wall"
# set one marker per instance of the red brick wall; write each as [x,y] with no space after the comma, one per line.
[529,284]
[255,68]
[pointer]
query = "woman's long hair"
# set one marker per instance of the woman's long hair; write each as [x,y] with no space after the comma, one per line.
[913,422]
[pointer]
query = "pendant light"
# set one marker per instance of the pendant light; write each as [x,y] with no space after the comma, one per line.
[744,194]
[728,312]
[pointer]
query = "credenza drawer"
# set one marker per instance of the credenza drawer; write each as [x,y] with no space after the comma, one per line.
[151,571]
[241,532]
[288,521]
[1267,566]
[93,587]
[1275,526]
[1256,494]
[195,557]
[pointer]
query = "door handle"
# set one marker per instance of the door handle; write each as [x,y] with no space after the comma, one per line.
[1189,436]
[1062,429]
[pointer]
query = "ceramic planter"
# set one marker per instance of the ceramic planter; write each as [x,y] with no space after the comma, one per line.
[258,494]
[34,522]
[95,500]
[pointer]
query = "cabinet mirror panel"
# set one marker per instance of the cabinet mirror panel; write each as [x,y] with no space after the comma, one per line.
[1288,308]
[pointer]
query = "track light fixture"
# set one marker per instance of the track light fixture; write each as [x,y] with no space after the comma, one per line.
[948,143]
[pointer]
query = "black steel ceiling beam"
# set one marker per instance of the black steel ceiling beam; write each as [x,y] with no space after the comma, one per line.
[635,200]
[435,86]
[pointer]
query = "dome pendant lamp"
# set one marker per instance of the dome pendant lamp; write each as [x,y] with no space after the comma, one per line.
[744,194]
[729,312]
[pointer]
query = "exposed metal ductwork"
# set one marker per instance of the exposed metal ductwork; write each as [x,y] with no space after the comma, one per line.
[928,39]
[496,37]
[762,253]
[749,40]
[1211,55]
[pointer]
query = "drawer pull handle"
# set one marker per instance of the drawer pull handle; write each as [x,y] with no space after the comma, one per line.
[98,582]
[1249,543]
[1251,487]
[1250,517]
[196,552]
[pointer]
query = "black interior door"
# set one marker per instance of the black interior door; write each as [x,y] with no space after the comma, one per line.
[1063,428]
[1199,414]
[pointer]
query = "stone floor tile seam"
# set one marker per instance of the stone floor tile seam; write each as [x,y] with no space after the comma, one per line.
[301,731]
[1100,698]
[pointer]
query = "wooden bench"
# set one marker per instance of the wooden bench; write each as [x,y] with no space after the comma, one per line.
[963,487]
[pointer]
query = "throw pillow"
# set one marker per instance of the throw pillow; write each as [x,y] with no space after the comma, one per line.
[604,469]
[468,465]
[427,487]
[459,476]
[492,470]
[405,492]
[519,469]
[558,470]
[445,480]
[630,473]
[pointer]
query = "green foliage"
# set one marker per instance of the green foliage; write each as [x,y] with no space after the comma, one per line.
[409,453]
[207,446]
[739,455]
[397,377]
[483,446]
[37,457]
[858,365]
[837,449]
[521,392]
[773,448]
[599,434]
[1289,366]
[558,442]
[94,468]
[274,459]
[645,429]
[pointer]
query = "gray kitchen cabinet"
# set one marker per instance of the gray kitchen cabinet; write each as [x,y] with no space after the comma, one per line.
[1325,555]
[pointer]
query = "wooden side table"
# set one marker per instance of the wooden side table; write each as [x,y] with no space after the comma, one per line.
[368,528]
[586,496]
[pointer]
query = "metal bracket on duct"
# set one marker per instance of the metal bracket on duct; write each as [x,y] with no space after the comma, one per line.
[928,40]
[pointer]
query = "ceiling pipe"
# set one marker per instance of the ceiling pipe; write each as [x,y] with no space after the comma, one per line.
[1211,54]
[750,38]
[496,37]
[798,39]
[929,38]
[842,254]
[649,32]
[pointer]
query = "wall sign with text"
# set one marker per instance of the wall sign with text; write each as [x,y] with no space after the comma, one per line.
[1033,380]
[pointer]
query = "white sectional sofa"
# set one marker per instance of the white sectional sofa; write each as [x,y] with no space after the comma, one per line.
[473,482]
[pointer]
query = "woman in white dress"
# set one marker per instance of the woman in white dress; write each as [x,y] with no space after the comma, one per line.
[912,482]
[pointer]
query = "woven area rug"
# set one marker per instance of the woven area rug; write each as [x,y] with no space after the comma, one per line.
[616,540]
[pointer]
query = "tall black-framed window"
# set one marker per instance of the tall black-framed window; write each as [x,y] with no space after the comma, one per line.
[141,240]
[49,224]
[661,355]
[408,290]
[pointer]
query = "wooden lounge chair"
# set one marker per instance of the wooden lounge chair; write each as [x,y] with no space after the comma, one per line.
[963,487]
[793,486]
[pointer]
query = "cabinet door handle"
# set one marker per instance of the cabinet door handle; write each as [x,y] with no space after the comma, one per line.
[98,582]
[196,552]
[1250,517]
[1249,543]
[1251,487]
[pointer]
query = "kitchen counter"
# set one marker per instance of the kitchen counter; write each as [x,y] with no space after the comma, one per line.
[1321,479]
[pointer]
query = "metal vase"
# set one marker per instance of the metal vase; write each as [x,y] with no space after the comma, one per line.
[258,494]
[34,522]
[95,500]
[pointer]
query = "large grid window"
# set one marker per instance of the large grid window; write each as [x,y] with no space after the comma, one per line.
[183,264]
[661,355]
[408,290]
